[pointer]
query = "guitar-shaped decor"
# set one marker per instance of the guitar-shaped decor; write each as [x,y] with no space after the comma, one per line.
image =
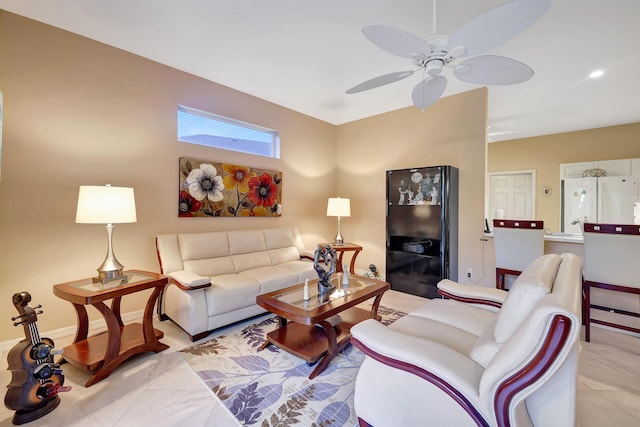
[35,379]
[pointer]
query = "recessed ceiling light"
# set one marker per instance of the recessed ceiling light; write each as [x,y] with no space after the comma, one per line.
[596,74]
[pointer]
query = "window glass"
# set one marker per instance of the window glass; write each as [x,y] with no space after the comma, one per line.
[203,128]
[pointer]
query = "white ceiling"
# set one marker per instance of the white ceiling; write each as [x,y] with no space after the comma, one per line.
[304,54]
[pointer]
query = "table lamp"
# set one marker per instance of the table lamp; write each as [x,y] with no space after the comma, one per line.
[106,205]
[338,207]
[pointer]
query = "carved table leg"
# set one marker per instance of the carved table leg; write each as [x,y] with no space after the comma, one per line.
[332,351]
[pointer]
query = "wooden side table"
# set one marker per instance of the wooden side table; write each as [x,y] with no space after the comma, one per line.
[105,351]
[341,249]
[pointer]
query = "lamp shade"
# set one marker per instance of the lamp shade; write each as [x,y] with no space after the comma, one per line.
[338,207]
[105,205]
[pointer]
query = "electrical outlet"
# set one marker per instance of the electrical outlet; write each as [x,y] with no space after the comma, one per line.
[469,273]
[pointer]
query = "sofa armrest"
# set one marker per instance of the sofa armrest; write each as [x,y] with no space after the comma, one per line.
[444,367]
[471,294]
[188,280]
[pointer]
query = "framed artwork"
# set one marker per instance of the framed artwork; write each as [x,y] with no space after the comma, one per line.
[220,189]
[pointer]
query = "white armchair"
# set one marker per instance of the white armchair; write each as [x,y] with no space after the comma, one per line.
[483,357]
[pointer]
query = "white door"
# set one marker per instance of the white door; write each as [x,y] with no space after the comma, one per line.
[513,194]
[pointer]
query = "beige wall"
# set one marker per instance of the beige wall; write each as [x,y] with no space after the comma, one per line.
[77,112]
[452,132]
[545,153]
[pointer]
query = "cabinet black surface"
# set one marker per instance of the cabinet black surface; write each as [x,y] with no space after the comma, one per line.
[422,228]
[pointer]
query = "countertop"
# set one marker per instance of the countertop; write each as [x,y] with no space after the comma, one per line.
[556,237]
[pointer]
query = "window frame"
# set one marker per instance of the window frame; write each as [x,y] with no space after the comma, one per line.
[274,151]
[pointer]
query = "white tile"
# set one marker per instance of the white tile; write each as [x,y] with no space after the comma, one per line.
[594,410]
[169,408]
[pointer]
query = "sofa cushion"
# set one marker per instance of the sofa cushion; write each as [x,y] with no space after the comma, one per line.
[210,266]
[251,260]
[486,347]
[534,283]
[433,330]
[246,241]
[203,245]
[304,269]
[461,315]
[229,292]
[280,255]
[271,278]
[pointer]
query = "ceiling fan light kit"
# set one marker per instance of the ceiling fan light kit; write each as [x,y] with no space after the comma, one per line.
[485,32]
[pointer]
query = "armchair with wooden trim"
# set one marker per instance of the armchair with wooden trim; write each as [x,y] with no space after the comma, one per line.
[483,356]
[612,253]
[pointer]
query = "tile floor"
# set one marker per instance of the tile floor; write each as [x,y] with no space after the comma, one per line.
[161,390]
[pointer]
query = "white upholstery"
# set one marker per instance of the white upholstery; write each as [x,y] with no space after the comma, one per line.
[516,244]
[240,265]
[516,248]
[529,287]
[611,258]
[611,279]
[441,365]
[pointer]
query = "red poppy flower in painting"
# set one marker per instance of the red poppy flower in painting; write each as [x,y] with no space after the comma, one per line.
[187,205]
[262,190]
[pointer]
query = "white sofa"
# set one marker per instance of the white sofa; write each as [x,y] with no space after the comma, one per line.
[216,276]
[482,357]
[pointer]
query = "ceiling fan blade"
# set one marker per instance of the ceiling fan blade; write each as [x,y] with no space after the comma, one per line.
[380,81]
[492,70]
[396,42]
[428,91]
[496,26]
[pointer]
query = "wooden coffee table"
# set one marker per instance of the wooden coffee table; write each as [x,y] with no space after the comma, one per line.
[304,329]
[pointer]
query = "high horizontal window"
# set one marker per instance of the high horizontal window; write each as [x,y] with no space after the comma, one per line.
[203,128]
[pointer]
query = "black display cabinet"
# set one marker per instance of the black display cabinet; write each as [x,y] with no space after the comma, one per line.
[422,228]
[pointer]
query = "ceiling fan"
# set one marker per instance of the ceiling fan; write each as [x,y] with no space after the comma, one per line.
[484,32]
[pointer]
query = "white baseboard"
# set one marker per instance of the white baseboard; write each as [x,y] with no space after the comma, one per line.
[95,326]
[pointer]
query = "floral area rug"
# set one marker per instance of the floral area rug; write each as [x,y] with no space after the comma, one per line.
[272,387]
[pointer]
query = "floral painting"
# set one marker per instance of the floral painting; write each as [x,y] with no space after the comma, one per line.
[222,189]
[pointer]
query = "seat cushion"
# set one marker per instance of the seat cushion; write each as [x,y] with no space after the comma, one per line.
[458,314]
[271,278]
[229,292]
[486,347]
[534,283]
[433,330]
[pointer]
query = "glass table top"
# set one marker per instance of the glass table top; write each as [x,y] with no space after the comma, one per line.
[295,297]
[130,277]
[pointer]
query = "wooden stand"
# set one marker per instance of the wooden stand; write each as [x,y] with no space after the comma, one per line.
[105,351]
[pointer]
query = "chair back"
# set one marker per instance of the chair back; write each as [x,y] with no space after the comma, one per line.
[517,242]
[612,254]
[611,282]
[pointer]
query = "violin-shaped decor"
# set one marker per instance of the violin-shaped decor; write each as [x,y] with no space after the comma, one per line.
[35,379]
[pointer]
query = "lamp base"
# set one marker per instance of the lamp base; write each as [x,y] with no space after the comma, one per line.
[111,277]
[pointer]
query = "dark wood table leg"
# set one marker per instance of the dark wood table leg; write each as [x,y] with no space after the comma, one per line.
[147,320]
[115,308]
[374,307]
[332,351]
[282,322]
[352,266]
[83,323]
[113,344]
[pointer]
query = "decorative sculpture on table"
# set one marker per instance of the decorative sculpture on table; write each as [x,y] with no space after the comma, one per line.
[324,262]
